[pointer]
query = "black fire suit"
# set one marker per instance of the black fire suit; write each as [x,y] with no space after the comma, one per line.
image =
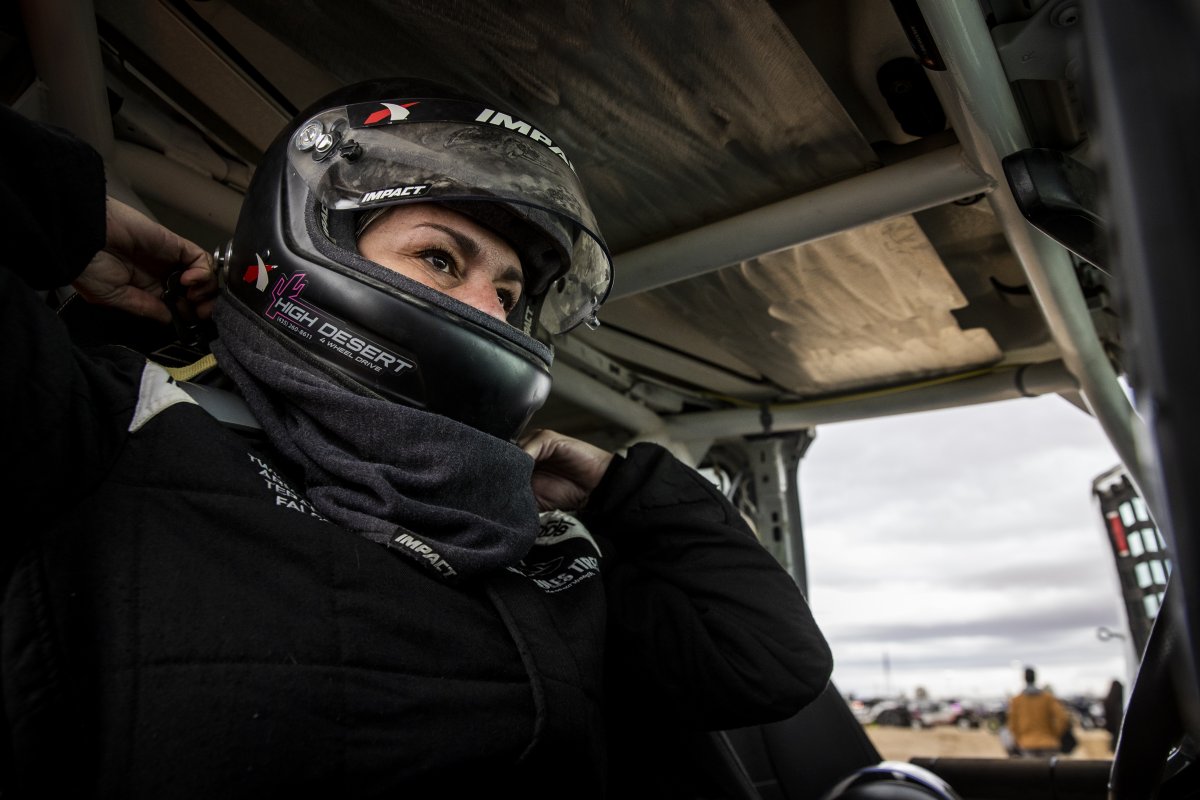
[178,621]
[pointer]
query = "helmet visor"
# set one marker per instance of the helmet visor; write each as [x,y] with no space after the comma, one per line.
[368,155]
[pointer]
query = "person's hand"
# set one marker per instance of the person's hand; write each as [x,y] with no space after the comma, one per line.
[138,255]
[565,470]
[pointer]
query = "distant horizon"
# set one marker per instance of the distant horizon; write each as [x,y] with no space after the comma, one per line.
[973,698]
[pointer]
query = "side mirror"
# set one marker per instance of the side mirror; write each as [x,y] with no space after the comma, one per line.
[1060,197]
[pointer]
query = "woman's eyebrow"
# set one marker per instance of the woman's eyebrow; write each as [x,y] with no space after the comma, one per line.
[511,273]
[466,244]
[470,249]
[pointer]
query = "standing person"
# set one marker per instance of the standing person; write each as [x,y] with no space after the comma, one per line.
[1114,712]
[1037,720]
[354,593]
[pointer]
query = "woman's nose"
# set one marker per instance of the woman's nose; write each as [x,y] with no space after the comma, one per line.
[479,292]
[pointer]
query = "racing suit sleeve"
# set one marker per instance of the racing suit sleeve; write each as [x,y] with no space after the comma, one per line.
[56,403]
[704,625]
[52,194]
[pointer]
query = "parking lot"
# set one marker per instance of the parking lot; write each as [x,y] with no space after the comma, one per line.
[901,744]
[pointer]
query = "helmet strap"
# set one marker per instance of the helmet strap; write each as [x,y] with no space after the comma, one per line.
[338,227]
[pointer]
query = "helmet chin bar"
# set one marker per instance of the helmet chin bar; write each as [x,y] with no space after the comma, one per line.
[447,365]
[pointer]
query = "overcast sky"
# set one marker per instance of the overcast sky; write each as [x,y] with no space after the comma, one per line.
[956,546]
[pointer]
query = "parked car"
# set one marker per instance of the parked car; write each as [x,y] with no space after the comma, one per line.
[1087,711]
[861,707]
[929,713]
[890,713]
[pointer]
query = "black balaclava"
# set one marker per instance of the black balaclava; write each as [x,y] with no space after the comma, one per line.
[380,468]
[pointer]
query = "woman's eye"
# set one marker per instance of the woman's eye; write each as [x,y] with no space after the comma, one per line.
[439,260]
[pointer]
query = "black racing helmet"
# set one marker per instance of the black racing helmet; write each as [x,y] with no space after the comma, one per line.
[293,264]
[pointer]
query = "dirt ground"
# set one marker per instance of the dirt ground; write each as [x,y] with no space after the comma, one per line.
[901,744]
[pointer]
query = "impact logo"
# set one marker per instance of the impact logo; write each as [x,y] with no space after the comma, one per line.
[258,274]
[396,191]
[391,112]
[424,552]
[499,118]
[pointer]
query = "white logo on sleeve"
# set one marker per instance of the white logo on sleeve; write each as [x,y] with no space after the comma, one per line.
[550,571]
[285,496]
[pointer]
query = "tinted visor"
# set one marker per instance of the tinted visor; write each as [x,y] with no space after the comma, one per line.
[367,155]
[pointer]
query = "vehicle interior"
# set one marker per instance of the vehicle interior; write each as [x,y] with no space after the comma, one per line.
[819,211]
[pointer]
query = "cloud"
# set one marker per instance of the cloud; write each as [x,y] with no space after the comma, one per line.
[1027,623]
[960,542]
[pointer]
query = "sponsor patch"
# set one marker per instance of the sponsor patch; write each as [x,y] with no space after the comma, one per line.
[424,552]
[369,115]
[390,112]
[258,274]
[305,321]
[395,192]
[550,571]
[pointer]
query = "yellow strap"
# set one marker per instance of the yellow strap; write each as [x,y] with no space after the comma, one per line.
[193,369]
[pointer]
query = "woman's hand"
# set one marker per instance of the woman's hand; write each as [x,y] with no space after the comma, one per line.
[565,470]
[138,255]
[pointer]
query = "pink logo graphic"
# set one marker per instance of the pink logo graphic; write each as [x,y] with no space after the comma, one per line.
[287,299]
[291,287]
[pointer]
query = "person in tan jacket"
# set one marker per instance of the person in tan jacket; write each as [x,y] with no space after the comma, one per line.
[1037,720]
